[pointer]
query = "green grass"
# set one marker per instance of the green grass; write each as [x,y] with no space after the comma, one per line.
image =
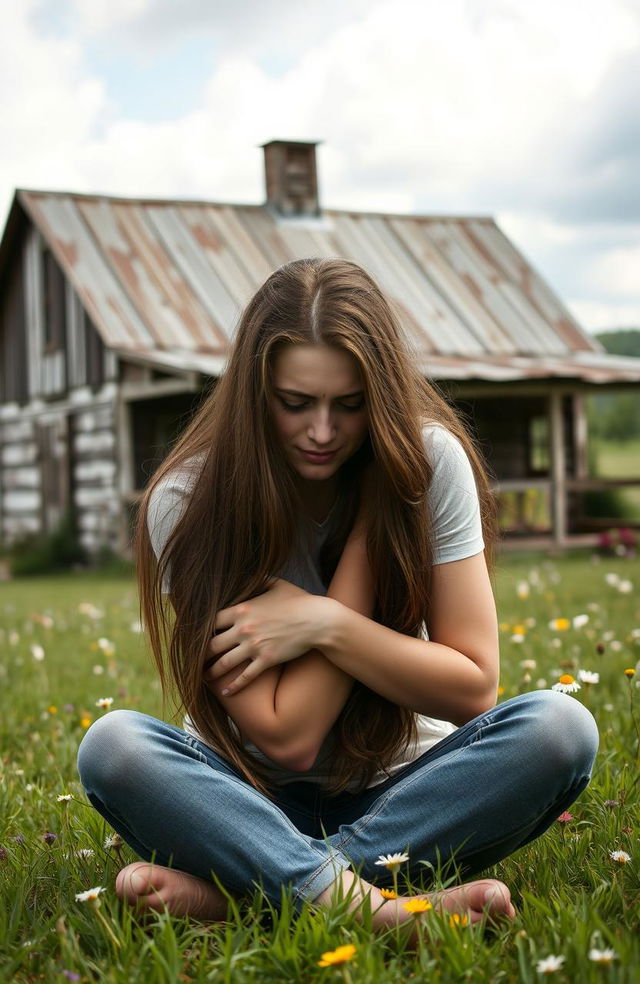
[569,894]
[620,459]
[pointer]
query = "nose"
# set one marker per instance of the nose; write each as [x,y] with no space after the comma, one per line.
[321,427]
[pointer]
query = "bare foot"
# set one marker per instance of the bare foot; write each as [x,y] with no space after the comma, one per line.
[477,900]
[150,886]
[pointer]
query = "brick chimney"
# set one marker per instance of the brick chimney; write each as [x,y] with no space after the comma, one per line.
[291,177]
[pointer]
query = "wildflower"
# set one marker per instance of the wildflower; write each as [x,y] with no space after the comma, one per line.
[64,797]
[91,895]
[417,905]
[85,852]
[86,608]
[392,861]
[517,637]
[500,691]
[564,817]
[18,839]
[458,920]
[616,645]
[98,670]
[541,683]
[625,587]
[341,955]
[37,652]
[611,803]
[579,621]
[136,627]
[4,854]
[70,975]
[602,956]
[548,965]
[586,676]
[114,841]
[85,721]
[48,838]
[613,580]
[559,624]
[528,664]
[630,672]
[523,590]
[621,857]
[105,703]
[52,709]
[388,893]
[566,684]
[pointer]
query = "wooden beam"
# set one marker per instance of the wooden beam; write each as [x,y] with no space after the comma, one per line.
[558,469]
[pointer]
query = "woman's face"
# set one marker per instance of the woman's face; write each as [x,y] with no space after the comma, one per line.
[318,408]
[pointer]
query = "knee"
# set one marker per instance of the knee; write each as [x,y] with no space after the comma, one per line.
[562,730]
[109,749]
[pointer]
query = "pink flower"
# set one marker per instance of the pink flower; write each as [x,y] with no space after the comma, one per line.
[564,817]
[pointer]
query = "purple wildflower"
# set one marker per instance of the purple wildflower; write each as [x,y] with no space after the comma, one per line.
[4,854]
[48,838]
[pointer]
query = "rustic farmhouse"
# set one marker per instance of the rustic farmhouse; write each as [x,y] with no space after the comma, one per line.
[115,313]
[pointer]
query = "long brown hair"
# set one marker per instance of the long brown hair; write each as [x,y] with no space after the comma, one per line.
[243,514]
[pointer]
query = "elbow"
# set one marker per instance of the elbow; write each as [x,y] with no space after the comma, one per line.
[295,756]
[474,707]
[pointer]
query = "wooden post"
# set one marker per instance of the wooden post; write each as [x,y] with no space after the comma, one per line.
[558,469]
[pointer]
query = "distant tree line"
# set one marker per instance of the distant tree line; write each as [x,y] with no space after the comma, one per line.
[616,416]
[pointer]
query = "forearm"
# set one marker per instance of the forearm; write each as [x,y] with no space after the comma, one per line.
[312,690]
[427,677]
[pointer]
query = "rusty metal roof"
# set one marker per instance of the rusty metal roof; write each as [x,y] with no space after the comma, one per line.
[167,280]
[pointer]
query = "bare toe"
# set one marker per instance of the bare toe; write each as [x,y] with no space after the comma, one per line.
[151,886]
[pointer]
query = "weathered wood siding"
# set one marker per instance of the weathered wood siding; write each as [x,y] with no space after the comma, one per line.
[58,395]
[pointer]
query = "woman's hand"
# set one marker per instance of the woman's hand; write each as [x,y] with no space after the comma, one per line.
[275,627]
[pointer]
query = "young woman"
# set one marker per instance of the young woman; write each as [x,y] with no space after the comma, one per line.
[322,530]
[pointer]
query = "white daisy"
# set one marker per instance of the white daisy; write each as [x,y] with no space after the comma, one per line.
[37,652]
[566,684]
[90,895]
[602,956]
[586,676]
[104,702]
[392,861]
[620,856]
[579,621]
[64,797]
[548,965]
[113,841]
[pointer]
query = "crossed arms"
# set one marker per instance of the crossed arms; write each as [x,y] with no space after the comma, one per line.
[306,650]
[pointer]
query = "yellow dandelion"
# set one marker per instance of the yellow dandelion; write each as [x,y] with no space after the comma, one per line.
[519,629]
[456,919]
[52,709]
[388,893]
[629,672]
[559,624]
[85,722]
[500,691]
[417,905]
[341,955]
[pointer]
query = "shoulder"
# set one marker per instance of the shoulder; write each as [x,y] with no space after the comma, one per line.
[453,496]
[168,500]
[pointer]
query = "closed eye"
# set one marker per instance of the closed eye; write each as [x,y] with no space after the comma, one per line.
[295,407]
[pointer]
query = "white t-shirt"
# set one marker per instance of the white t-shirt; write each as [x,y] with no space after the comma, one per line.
[457,531]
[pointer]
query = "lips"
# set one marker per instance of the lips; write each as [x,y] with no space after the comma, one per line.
[319,457]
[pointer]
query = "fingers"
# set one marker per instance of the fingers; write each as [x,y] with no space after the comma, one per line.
[247,676]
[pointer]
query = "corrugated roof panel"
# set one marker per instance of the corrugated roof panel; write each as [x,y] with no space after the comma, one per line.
[211,236]
[514,264]
[430,317]
[102,294]
[169,279]
[450,239]
[249,257]
[144,268]
[462,295]
[265,233]
[192,262]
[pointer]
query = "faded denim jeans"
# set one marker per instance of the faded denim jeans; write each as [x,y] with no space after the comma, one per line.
[482,792]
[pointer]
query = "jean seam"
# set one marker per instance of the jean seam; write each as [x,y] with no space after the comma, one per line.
[382,805]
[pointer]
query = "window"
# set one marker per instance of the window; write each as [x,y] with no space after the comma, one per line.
[53,294]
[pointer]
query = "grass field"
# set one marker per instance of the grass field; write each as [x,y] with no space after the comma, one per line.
[620,459]
[69,641]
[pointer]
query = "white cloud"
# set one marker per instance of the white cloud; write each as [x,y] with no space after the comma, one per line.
[597,315]
[618,271]
[462,106]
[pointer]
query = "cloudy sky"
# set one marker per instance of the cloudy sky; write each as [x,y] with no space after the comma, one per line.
[528,110]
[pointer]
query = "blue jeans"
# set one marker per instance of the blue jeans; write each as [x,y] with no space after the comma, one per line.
[482,792]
